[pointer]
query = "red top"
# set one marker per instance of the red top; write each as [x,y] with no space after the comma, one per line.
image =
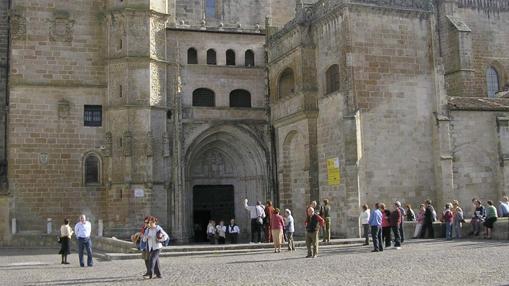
[276,222]
[447,216]
[385,219]
[268,212]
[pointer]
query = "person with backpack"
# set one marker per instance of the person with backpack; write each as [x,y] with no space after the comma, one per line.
[154,236]
[447,218]
[429,218]
[458,218]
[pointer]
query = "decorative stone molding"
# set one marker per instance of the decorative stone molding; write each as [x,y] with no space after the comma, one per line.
[18,25]
[166,144]
[128,144]
[149,151]
[64,109]
[108,140]
[61,27]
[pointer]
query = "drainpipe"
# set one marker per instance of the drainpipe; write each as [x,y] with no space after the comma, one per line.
[6,102]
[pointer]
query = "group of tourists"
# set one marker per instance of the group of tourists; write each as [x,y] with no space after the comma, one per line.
[385,224]
[221,233]
[279,228]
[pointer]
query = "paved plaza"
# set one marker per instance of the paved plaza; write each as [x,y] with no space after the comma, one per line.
[425,262]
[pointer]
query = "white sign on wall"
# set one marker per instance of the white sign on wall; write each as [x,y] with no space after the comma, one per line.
[139,192]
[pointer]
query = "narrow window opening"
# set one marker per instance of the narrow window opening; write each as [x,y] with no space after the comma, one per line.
[211,57]
[192,56]
[230,58]
[249,58]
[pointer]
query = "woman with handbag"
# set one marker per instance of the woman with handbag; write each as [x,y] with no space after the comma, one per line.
[154,236]
[65,240]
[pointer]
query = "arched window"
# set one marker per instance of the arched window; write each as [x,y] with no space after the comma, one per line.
[211,57]
[203,97]
[210,9]
[192,56]
[492,81]
[91,169]
[332,79]
[240,98]
[286,83]
[249,58]
[230,58]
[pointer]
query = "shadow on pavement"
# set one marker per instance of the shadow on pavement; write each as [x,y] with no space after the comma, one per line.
[103,280]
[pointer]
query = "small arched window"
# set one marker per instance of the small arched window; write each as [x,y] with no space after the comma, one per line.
[332,79]
[210,9]
[92,169]
[204,97]
[249,58]
[211,57]
[286,83]
[192,56]
[240,98]
[230,58]
[492,81]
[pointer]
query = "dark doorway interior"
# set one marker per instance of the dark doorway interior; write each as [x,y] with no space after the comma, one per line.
[211,202]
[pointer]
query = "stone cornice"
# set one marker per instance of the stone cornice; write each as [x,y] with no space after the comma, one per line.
[133,59]
[22,83]
[295,117]
[211,30]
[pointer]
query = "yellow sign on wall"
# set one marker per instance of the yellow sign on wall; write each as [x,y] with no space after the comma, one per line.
[333,174]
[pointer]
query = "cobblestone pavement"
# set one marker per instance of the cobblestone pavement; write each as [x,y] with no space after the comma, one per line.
[424,262]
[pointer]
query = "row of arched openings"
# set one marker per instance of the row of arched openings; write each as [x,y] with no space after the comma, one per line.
[192,57]
[206,98]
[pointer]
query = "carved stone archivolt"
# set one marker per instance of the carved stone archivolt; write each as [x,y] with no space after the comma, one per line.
[61,27]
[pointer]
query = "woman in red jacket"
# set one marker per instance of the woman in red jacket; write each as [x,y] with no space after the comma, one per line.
[276,226]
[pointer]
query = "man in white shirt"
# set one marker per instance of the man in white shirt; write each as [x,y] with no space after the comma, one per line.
[83,229]
[233,231]
[256,213]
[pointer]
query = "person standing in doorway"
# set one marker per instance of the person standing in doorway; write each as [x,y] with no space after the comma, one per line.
[221,232]
[256,213]
[325,214]
[313,224]
[83,229]
[65,240]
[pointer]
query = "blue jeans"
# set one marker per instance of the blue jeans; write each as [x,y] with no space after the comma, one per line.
[87,244]
[448,230]
[376,234]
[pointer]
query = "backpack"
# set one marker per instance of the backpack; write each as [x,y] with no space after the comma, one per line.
[158,234]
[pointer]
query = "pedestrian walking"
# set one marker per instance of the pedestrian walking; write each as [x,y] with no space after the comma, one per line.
[154,236]
[364,218]
[83,230]
[233,232]
[375,221]
[290,229]
[313,224]
[145,253]
[256,213]
[221,232]
[325,214]
[276,226]
[491,218]
[458,218]
[429,218]
[386,225]
[65,240]
[420,221]
[447,219]
[395,220]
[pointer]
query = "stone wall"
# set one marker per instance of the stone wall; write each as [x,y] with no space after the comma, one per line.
[57,68]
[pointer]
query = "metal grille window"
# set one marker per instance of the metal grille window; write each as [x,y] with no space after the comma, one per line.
[492,81]
[192,56]
[286,84]
[210,9]
[230,58]
[93,115]
[240,98]
[203,97]
[332,79]
[211,57]
[91,169]
[249,58]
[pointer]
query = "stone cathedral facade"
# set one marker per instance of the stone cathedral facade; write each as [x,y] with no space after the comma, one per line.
[183,108]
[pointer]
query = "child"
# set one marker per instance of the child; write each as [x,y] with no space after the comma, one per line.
[65,240]
[447,221]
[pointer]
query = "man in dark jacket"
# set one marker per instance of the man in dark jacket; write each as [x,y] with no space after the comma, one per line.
[428,220]
[395,220]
